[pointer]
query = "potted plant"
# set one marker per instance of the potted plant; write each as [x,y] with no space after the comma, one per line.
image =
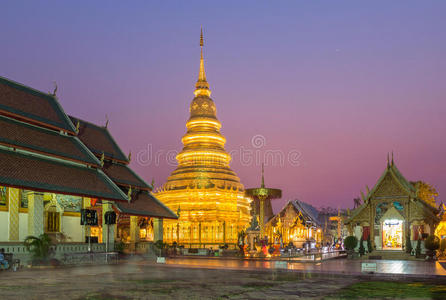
[350,244]
[361,247]
[418,248]
[432,244]
[408,244]
[369,245]
[40,249]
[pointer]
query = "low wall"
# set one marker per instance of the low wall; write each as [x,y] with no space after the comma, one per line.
[19,250]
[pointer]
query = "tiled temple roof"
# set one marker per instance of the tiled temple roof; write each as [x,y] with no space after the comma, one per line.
[99,140]
[43,174]
[123,175]
[145,204]
[21,135]
[27,104]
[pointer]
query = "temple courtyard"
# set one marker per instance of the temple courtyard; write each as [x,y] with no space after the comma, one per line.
[235,279]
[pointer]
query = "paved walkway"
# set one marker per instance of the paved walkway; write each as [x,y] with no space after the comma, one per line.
[335,266]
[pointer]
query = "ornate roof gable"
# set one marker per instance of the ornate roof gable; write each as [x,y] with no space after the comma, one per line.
[392,183]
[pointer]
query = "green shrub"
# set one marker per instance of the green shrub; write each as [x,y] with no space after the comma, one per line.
[369,245]
[418,248]
[350,242]
[432,242]
[361,247]
[39,247]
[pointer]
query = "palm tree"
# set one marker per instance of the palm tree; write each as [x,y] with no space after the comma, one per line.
[39,247]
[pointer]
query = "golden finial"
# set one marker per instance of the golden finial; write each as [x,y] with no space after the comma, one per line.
[392,157]
[388,161]
[201,37]
[263,177]
[78,124]
[102,159]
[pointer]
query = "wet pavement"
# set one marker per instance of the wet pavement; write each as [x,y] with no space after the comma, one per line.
[334,266]
[205,278]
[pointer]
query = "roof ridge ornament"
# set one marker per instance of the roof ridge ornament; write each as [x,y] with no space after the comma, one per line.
[106,121]
[55,89]
[129,157]
[129,194]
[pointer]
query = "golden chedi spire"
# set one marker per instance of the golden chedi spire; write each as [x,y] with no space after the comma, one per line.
[202,86]
[209,193]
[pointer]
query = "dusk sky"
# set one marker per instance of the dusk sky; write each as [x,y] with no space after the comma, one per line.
[335,85]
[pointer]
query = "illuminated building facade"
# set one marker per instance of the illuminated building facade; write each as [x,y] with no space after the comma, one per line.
[203,190]
[297,223]
[395,212]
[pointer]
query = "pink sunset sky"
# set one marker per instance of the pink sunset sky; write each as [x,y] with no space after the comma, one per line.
[335,85]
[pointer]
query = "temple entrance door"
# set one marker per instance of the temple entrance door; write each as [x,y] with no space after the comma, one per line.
[392,234]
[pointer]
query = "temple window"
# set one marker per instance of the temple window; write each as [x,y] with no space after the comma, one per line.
[53,221]
[3,198]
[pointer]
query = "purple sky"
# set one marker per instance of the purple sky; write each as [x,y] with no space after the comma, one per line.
[337,83]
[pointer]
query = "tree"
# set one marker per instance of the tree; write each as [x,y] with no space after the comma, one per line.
[39,247]
[361,247]
[408,244]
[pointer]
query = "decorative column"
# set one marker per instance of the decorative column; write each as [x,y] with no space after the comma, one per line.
[199,234]
[134,229]
[108,231]
[35,213]
[14,203]
[157,229]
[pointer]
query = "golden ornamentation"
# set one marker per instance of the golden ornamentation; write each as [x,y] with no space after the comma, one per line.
[211,197]
[389,187]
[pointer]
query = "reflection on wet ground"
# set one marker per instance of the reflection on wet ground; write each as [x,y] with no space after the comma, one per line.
[329,266]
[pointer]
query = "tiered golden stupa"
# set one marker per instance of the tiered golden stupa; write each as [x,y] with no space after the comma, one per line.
[203,190]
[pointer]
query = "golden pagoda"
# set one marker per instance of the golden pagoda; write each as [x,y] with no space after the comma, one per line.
[203,190]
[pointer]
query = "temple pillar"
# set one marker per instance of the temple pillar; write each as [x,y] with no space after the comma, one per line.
[157,229]
[199,234]
[134,229]
[35,213]
[13,215]
[108,231]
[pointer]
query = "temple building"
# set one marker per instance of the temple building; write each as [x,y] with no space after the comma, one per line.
[206,194]
[297,223]
[395,210]
[140,218]
[52,166]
